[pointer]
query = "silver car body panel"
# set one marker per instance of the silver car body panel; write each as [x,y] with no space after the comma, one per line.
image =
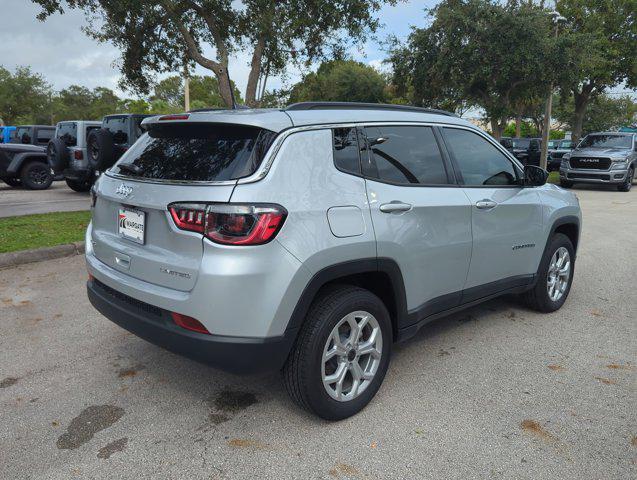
[442,245]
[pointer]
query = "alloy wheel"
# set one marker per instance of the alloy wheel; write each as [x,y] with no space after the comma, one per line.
[559,274]
[351,356]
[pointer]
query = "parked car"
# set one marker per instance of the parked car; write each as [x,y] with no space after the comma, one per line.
[23,161]
[555,155]
[601,158]
[105,145]
[311,239]
[527,150]
[507,142]
[5,133]
[67,153]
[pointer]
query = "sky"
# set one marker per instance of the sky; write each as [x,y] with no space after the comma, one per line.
[60,51]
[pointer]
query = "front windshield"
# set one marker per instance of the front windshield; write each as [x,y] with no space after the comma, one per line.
[606,141]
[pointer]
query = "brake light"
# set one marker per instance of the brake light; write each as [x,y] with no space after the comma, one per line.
[230,224]
[181,116]
[189,323]
[189,216]
[77,154]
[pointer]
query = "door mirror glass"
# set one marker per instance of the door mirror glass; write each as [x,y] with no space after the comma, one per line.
[534,176]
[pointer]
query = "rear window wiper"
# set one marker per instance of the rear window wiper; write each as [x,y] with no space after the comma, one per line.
[130,168]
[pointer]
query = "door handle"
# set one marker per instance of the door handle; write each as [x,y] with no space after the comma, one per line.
[395,206]
[486,204]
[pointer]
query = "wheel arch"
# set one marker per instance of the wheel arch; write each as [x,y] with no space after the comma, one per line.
[381,276]
[568,225]
[19,160]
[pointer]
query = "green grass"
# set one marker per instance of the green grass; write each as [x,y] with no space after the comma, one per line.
[554,177]
[45,230]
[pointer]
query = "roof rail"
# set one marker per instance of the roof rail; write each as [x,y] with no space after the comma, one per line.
[363,106]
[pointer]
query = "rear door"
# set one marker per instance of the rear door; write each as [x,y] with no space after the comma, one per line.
[422,220]
[133,230]
[506,218]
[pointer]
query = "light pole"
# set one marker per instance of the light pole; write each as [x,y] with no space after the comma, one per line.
[557,18]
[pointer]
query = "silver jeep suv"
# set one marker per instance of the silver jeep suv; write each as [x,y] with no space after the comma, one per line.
[311,239]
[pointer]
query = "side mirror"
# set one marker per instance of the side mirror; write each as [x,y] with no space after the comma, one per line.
[534,176]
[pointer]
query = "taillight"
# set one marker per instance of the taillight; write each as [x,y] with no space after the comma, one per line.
[189,323]
[77,154]
[189,216]
[230,224]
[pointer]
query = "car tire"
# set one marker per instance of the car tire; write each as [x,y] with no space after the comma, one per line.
[12,182]
[628,184]
[36,175]
[565,184]
[306,370]
[100,149]
[553,273]
[57,154]
[79,185]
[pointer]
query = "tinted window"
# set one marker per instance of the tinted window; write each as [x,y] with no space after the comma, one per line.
[480,162]
[407,155]
[45,134]
[522,143]
[566,144]
[197,152]
[23,135]
[68,133]
[346,150]
[118,126]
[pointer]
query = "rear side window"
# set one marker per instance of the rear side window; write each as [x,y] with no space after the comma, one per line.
[346,150]
[197,152]
[45,134]
[480,162]
[118,126]
[67,132]
[406,155]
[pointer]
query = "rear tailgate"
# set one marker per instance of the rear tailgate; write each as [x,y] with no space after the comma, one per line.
[167,256]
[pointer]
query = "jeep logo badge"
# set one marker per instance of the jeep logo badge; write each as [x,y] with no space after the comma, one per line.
[124,190]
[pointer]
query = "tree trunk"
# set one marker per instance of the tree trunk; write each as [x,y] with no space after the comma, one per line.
[497,127]
[255,72]
[224,85]
[518,125]
[581,103]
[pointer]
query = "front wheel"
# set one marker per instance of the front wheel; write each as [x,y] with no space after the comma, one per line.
[342,353]
[555,276]
[628,184]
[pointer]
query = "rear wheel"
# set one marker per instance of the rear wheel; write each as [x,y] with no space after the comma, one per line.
[100,149]
[12,182]
[555,276]
[628,184]
[57,155]
[341,355]
[36,175]
[79,185]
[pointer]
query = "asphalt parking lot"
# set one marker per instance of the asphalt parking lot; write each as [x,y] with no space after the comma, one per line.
[57,198]
[497,391]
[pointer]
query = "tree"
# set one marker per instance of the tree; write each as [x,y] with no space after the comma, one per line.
[601,51]
[25,97]
[603,112]
[477,52]
[204,92]
[341,80]
[157,36]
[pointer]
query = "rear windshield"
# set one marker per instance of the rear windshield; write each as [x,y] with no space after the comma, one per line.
[67,132]
[118,126]
[196,152]
[23,134]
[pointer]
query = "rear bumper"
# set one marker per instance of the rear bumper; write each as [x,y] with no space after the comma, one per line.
[155,325]
[79,175]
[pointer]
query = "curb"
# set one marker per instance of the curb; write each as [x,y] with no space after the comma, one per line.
[13,259]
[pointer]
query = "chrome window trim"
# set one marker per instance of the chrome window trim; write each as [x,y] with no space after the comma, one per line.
[273,151]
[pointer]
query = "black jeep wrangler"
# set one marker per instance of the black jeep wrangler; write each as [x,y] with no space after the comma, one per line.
[105,145]
[23,162]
